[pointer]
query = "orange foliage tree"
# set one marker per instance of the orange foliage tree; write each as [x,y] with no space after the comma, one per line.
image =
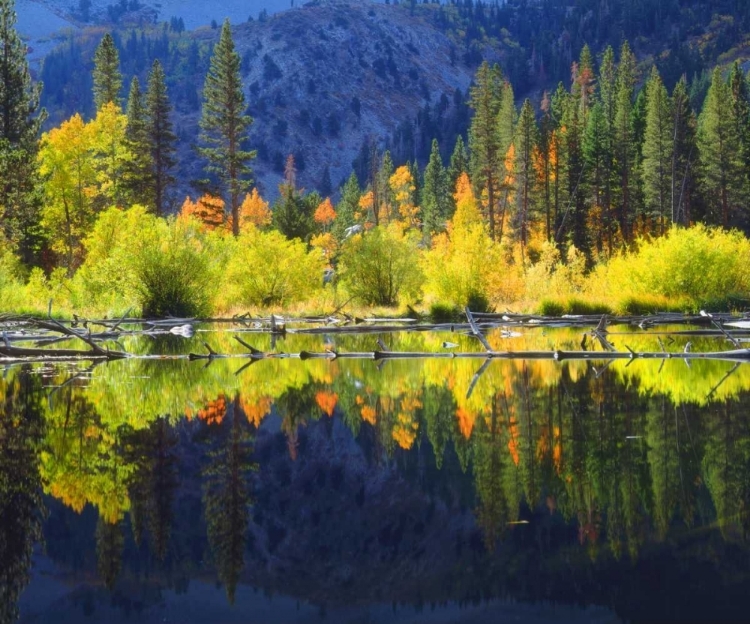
[209,210]
[255,211]
[325,214]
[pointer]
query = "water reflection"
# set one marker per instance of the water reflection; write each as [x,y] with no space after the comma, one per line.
[343,483]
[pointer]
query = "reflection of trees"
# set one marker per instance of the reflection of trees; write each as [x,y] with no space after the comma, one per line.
[490,457]
[109,545]
[84,462]
[295,407]
[153,483]
[725,463]
[21,508]
[226,497]
[439,413]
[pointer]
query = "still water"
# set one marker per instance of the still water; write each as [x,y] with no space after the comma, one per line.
[361,491]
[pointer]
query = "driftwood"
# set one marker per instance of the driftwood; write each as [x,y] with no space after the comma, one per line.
[49,331]
[95,352]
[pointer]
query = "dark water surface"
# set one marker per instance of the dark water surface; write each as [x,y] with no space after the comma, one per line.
[360,492]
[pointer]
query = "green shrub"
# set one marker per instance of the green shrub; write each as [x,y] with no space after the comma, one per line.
[173,274]
[695,265]
[265,268]
[478,302]
[381,266]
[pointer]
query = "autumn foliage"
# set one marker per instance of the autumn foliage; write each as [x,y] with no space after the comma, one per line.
[208,210]
[254,211]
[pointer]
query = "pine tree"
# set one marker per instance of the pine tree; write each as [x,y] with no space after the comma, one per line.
[684,154]
[435,204]
[740,93]
[107,77]
[347,206]
[224,124]
[507,117]
[526,141]
[161,138]
[382,195]
[719,148]
[574,219]
[608,98]
[624,143]
[325,188]
[558,105]
[20,123]
[597,173]
[583,86]
[459,163]
[657,150]
[484,141]
[137,175]
[548,156]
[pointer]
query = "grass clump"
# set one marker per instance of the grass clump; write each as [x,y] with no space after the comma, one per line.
[640,305]
[572,305]
[444,313]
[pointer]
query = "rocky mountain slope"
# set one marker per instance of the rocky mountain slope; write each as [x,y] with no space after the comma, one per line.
[322,79]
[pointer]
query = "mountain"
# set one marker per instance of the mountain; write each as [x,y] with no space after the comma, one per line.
[323,79]
[329,80]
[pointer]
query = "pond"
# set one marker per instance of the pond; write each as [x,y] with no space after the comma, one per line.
[354,490]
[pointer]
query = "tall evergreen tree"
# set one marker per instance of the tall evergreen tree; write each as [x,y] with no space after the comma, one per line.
[558,105]
[595,156]
[526,141]
[719,147]
[161,138]
[137,176]
[20,123]
[740,92]
[459,163]
[435,202]
[107,77]
[657,150]
[224,124]
[325,187]
[684,154]
[624,143]
[382,206]
[547,156]
[583,86]
[484,141]
[507,116]
[608,98]
[347,207]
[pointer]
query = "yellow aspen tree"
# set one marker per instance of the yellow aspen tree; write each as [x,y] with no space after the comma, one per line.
[66,165]
[402,185]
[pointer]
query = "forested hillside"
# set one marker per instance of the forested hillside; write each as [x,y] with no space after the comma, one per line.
[440,132]
[316,78]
